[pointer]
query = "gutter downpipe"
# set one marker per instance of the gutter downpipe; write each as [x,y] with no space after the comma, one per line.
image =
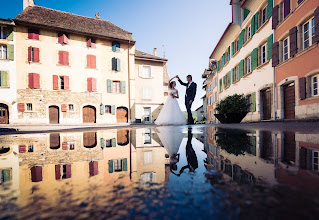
[274,83]
[129,82]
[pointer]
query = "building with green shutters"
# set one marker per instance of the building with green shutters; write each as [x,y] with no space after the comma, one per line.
[243,57]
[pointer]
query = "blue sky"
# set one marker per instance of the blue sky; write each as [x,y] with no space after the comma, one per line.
[188,29]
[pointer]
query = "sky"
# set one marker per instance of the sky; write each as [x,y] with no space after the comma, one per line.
[188,29]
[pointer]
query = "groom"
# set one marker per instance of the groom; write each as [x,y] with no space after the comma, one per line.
[189,96]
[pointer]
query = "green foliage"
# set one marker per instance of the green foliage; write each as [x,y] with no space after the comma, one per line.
[232,104]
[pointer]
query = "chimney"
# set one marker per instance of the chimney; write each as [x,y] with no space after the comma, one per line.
[155,51]
[97,15]
[27,3]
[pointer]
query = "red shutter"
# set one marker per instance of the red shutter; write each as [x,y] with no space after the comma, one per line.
[93,43]
[88,61]
[66,83]
[61,57]
[31,81]
[57,172]
[55,82]
[93,84]
[316,15]
[22,149]
[275,14]
[89,84]
[68,171]
[93,61]
[36,35]
[36,55]
[302,88]
[30,34]
[60,38]
[29,54]
[66,58]
[21,107]
[88,42]
[64,107]
[293,41]
[36,174]
[36,81]
[65,39]
[93,168]
[65,145]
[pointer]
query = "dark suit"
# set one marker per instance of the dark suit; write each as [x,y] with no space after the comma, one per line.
[189,95]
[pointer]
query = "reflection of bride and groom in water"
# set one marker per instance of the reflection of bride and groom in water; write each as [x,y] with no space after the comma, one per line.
[171,138]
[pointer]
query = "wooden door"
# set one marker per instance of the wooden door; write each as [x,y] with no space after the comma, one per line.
[122,137]
[54,141]
[266,151]
[289,101]
[266,99]
[4,114]
[89,139]
[289,154]
[121,115]
[89,114]
[54,114]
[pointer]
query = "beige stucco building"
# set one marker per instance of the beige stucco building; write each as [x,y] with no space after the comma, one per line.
[149,86]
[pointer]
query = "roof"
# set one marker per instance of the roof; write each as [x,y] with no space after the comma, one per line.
[41,16]
[199,107]
[143,55]
[6,21]
[221,38]
[165,77]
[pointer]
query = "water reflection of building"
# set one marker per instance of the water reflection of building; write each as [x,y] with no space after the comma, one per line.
[149,157]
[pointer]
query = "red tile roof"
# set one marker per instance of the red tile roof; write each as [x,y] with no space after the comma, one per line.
[65,21]
[140,54]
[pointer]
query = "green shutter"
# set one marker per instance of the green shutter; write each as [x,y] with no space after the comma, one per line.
[241,69]
[221,84]
[269,8]
[228,54]
[113,63]
[269,45]
[113,142]
[254,59]
[10,33]
[113,47]
[217,66]
[252,26]
[256,21]
[102,109]
[102,143]
[232,48]
[254,145]
[110,166]
[113,109]
[246,13]
[229,79]
[11,52]
[109,86]
[125,164]
[253,102]
[4,79]
[118,64]
[223,60]
[232,75]
[6,175]
[123,88]
[224,82]
[241,39]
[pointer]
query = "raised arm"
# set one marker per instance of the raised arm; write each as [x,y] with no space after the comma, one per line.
[180,81]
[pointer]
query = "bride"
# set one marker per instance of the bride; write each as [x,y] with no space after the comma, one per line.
[171,113]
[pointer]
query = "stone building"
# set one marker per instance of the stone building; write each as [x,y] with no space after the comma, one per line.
[8,90]
[149,85]
[71,72]
[295,55]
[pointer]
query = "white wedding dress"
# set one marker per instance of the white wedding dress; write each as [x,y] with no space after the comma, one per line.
[171,113]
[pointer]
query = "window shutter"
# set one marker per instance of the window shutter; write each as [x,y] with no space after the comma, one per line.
[257,21]
[224,82]
[269,8]
[118,64]
[57,172]
[11,52]
[64,108]
[31,80]
[223,60]
[113,142]
[221,84]
[66,58]
[141,71]
[232,49]
[241,38]
[232,75]
[93,61]
[36,174]
[275,13]
[113,109]
[275,54]
[36,55]
[217,66]
[29,54]
[60,40]
[21,107]
[61,57]
[113,46]
[68,171]
[152,71]
[123,87]
[269,47]
[89,84]
[88,61]
[101,109]
[109,85]
[125,164]
[254,145]
[253,25]
[66,83]
[93,42]
[93,84]
[22,149]
[302,88]
[299,1]
[88,42]
[36,81]
[110,166]
[65,39]
[102,143]
[253,102]
[55,82]
[4,79]
[254,59]
[229,78]
[36,34]
[113,63]
[286,8]
[316,15]
[228,54]
[10,33]
[241,69]
[293,41]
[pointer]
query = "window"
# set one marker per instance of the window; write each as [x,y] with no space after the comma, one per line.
[71,107]
[147,136]
[33,54]
[30,148]
[108,109]
[148,178]
[91,84]
[29,107]
[61,82]
[64,58]
[91,61]
[315,157]
[146,93]
[148,156]
[249,103]
[314,85]
[33,34]
[236,46]
[91,42]
[108,142]
[116,87]
[116,47]
[3,32]
[116,64]
[263,17]
[308,32]
[3,52]
[263,54]
[145,72]
[248,65]
[248,32]
[3,79]
[118,165]
[236,73]
[226,80]
[5,176]
[285,49]
[71,146]
[63,38]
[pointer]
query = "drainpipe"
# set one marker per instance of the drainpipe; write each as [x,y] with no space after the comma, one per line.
[274,85]
[129,82]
